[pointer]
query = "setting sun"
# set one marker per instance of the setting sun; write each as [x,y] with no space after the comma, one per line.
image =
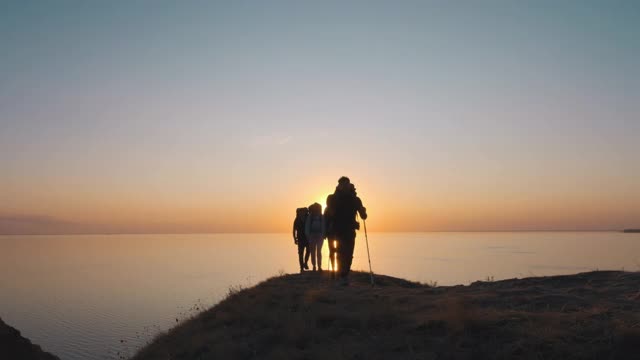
[322,200]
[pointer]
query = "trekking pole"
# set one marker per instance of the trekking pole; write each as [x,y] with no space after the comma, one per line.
[368,255]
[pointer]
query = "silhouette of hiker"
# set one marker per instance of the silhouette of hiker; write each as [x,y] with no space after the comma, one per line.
[328,220]
[300,238]
[315,231]
[345,205]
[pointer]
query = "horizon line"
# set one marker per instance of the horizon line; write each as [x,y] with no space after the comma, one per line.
[286,232]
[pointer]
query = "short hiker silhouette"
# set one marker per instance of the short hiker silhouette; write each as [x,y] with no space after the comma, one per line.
[300,238]
[345,205]
[315,231]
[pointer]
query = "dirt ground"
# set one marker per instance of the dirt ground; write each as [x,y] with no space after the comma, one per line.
[593,315]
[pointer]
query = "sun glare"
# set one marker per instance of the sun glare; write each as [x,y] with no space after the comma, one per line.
[322,200]
[335,266]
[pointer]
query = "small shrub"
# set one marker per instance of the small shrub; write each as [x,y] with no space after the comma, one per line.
[234,290]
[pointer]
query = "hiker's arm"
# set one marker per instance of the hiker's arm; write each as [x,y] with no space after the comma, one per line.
[363,213]
[362,210]
[295,238]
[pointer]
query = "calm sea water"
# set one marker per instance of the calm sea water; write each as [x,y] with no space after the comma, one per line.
[102,297]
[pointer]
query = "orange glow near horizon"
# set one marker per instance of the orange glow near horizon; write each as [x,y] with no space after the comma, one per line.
[397,211]
[268,205]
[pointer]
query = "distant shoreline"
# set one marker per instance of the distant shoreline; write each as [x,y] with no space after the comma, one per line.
[287,232]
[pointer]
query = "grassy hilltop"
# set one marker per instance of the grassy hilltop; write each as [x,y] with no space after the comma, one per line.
[593,315]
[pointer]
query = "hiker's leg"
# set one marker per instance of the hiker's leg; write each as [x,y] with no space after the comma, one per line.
[345,252]
[332,253]
[312,250]
[334,257]
[301,248]
[307,254]
[340,252]
[319,243]
[335,253]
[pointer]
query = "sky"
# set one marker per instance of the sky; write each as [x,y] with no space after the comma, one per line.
[225,116]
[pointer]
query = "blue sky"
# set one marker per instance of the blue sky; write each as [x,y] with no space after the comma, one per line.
[132,115]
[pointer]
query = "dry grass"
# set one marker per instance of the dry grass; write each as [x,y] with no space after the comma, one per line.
[586,316]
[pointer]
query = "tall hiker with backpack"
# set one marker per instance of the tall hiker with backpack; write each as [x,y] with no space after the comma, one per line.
[345,205]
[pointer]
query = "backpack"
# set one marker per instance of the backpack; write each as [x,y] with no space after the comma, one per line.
[345,208]
[315,224]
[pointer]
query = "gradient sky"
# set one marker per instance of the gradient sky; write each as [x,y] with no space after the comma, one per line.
[202,116]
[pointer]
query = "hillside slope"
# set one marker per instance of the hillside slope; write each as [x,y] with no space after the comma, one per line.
[592,315]
[15,346]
